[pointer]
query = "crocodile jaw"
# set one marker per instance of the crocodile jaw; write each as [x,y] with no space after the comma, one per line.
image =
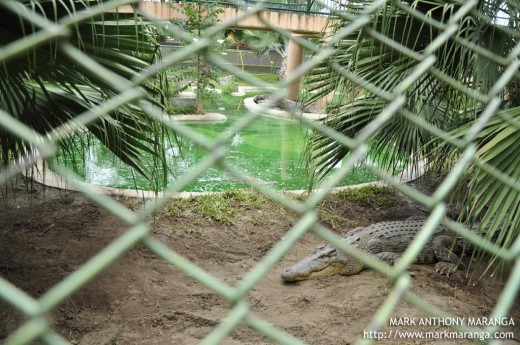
[316,265]
[291,275]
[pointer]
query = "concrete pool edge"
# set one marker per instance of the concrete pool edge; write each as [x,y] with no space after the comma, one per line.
[251,105]
[49,178]
[209,117]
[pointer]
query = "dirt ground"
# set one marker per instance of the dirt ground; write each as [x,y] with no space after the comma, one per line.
[142,300]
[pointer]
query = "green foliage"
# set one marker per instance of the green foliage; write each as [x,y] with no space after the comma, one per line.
[269,78]
[221,208]
[182,109]
[43,89]
[229,88]
[199,73]
[446,103]
[384,68]
[261,42]
[201,15]
[378,195]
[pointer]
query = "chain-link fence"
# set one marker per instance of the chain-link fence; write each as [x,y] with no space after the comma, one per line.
[444,66]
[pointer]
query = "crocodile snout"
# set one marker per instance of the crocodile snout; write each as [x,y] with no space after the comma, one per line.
[288,274]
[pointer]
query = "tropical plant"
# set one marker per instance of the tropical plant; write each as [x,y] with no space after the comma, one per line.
[229,88]
[262,42]
[446,103]
[202,74]
[44,89]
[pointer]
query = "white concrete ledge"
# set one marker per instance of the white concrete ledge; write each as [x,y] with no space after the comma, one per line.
[238,93]
[213,117]
[51,179]
[251,88]
[251,105]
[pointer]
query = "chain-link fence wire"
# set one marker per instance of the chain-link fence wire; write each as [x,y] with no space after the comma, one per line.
[36,310]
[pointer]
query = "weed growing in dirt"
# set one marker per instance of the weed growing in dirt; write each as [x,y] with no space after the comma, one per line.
[229,88]
[182,109]
[335,209]
[226,207]
[381,196]
[223,208]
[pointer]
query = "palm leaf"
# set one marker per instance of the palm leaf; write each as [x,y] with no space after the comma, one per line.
[44,90]
[446,103]
[495,206]
[261,42]
[383,67]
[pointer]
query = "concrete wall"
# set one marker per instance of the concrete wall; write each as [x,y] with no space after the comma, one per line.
[304,24]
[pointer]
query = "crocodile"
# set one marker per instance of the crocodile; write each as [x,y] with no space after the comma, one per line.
[386,241]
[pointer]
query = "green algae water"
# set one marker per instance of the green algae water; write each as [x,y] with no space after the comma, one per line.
[268,149]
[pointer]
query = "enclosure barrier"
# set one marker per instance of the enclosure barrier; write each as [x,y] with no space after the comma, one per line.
[131,91]
[307,7]
[248,61]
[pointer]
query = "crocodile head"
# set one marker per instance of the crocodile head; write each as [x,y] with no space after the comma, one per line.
[324,261]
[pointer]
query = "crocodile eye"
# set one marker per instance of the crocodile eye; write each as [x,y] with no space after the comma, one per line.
[318,248]
[328,253]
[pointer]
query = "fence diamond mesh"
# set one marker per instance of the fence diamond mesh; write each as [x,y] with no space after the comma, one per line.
[437,88]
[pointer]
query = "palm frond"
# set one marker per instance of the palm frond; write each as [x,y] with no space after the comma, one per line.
[44,89]
[492,195]
[261,42]
[380,65]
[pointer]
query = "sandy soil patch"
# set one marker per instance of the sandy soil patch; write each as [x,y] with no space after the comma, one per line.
[44,236]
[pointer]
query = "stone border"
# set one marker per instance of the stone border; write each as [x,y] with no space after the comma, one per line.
[213,117]
[251,105]
[51,179]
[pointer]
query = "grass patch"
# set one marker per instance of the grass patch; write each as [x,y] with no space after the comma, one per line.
[222,208]
[346,208]
[369,195]
[268,78]
[229,88]
[225,208]
[182,109]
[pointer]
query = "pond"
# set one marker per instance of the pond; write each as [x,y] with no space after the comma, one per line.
[269,149]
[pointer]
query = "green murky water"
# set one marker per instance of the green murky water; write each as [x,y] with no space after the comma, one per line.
[269,149]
